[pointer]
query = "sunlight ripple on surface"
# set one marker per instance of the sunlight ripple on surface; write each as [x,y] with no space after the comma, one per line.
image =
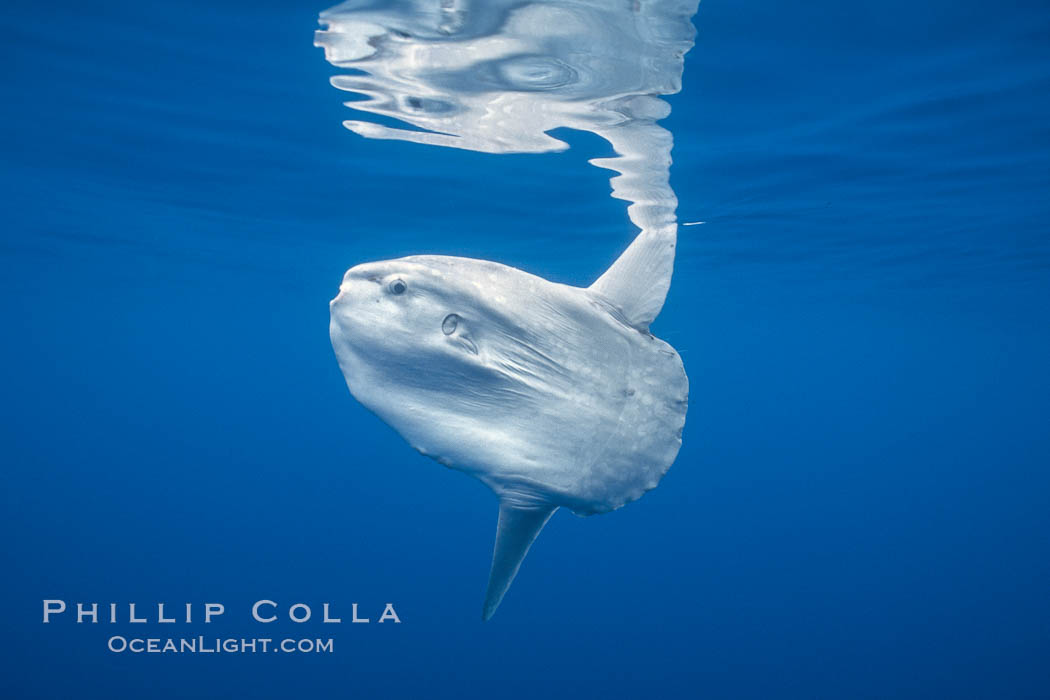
[496,77]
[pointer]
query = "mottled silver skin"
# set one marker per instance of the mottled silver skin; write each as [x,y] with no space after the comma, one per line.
[543,391]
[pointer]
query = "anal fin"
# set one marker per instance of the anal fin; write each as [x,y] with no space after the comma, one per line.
[516,530]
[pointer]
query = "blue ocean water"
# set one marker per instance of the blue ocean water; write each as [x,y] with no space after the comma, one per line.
[859,508]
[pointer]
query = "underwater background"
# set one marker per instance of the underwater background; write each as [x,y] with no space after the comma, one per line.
[860,505]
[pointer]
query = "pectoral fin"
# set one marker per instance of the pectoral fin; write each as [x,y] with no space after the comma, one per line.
[515,532]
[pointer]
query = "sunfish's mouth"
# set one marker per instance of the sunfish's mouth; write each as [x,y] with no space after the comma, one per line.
[342,296]
[339,309]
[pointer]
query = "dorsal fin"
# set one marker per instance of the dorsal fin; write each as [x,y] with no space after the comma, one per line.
[515,533]
[638,281]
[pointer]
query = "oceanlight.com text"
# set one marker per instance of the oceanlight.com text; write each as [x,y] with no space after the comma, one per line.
[217,645]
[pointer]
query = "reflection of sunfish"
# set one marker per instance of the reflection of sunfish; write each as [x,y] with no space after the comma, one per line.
[550,395]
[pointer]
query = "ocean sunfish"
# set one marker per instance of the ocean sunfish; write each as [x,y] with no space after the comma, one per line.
[551,395]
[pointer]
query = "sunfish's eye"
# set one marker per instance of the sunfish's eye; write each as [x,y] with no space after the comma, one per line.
[448,326]
[397,286]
